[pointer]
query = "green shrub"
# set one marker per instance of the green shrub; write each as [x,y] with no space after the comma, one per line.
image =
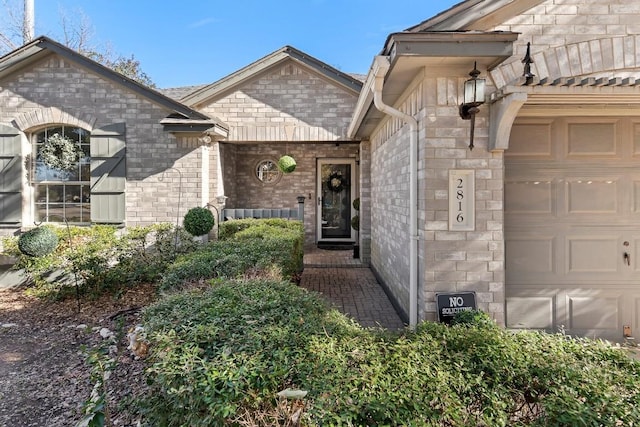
[198,221]
[356,204]
[473,318]
[355,222]
[101,258]
[229,229]
[256,249]
[246,247]
[230,350]
[232,347]
[287,164]
[38,242]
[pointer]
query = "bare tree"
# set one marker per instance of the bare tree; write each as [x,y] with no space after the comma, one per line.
[11,23]
[76,32]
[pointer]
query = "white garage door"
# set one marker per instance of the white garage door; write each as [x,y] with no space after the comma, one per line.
[572,223]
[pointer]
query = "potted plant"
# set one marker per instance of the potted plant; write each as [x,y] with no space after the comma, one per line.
[355,224]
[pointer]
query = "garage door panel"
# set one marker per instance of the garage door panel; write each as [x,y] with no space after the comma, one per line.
[635,324]
[531,139]
[636,196]
[597,312]
[592,255]
[591,139]
[530,196]
[592,196]
[530,255]
[636,138]
[530,312]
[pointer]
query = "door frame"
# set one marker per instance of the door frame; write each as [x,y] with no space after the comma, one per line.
[353,192]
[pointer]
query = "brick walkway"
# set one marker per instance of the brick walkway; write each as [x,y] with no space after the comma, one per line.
[350,286]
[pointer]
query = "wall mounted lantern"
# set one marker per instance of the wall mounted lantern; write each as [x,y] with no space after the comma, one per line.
[473,98]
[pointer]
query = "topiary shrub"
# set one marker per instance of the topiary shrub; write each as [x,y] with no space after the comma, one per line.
[198,221]
[287,164]
[356,204]
[355,222]
[38,242]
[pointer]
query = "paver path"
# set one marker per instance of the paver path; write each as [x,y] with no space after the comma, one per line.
[350,286]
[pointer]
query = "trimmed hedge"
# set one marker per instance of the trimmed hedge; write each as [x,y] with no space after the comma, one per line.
[229,229]
[220,357]
[246,247]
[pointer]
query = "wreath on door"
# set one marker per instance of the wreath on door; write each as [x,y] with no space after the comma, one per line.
[336,182]
[60,152]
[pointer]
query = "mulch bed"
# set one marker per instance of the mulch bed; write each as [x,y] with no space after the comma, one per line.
[44,375]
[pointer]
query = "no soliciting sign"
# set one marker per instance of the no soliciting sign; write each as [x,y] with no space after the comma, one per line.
[451,304]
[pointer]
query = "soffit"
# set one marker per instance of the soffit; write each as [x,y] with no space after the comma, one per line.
[571,95]
[440,54]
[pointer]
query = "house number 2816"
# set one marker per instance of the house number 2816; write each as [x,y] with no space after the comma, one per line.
[461,200]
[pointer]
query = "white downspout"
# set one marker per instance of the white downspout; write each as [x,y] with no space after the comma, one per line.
[380,68]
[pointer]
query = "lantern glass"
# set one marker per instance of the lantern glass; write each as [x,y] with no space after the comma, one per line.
[474,91]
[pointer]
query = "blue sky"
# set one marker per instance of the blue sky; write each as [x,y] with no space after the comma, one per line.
[196,41]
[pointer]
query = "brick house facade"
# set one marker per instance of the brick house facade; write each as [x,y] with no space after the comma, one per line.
[555,199]
[548,236]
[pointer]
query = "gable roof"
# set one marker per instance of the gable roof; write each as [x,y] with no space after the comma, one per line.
[478,15]
[286,53]
[43,46]
[180,92]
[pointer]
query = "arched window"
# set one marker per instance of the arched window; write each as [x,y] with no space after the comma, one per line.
[62,193]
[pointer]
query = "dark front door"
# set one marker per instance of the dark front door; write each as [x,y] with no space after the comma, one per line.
[336,190]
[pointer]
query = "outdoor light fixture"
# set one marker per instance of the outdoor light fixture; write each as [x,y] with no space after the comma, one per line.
[221,200]
[473,97]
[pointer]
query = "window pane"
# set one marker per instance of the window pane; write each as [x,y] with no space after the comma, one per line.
[53,131]
[40,136]
[85,172]
[56,193]
[85,193]
[41,193]
[41,212]
[73,212]
[56,212]
[72,134]
[86,158]
[72,175]
[72,194]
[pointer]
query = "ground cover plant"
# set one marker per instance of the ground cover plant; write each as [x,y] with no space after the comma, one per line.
[229,352]
[220,357]
[100,258]
[247,247]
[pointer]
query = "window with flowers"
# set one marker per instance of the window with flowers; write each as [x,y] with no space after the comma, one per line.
[61,174]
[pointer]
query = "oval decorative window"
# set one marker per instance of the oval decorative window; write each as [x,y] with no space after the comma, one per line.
[268,172]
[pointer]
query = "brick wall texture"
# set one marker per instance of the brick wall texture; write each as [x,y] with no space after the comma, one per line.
[289,103]
[575,38]
[287,110]
[54,91]
[568,38]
